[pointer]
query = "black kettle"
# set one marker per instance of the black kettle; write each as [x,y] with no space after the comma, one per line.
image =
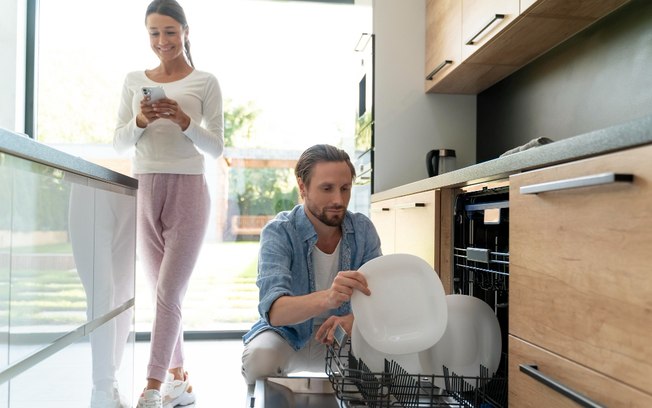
[440,161]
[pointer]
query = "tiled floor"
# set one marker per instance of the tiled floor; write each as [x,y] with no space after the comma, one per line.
[214,369]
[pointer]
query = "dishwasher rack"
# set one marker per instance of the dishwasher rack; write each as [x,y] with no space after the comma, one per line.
[356,386]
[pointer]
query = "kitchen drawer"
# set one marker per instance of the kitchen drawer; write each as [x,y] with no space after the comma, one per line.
[580,275]
[526,391]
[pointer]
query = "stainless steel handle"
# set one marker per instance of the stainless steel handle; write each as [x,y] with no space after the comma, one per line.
[587,181]
[494,19]
[533,371]
[410,205]
[439,68]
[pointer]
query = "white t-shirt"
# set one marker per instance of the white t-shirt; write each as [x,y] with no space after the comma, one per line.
[162,147]
[326,268]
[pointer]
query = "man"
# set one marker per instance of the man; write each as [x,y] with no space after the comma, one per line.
[307,270]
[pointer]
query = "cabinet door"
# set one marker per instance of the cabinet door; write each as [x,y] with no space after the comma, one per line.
[415,225]
[574,9]
[526,391]
[484,19]
[382,215]
[580,276]
[443,39]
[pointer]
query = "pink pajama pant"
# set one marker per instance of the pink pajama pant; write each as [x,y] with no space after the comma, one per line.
[173,211]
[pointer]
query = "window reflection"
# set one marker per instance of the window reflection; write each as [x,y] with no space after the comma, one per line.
[102,233]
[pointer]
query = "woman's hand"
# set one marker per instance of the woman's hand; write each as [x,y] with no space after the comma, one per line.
[164,108]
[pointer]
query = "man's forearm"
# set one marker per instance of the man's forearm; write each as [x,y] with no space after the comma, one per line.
[289,310]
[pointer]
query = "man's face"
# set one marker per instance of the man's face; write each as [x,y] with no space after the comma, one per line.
[329,192]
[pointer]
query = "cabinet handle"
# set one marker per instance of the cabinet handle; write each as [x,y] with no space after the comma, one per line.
[533,371]
[496,17]
[439,68]
[587,181]
[381,209]
[410,205]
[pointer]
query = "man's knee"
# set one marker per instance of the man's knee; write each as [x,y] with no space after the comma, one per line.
[262,362]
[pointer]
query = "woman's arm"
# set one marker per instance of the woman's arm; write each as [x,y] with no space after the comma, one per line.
[210,136]
[127,131]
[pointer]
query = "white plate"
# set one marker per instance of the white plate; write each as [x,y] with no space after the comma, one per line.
[375,360]
[406,311]
[472,337]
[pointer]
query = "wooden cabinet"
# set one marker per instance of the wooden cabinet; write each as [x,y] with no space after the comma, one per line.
[511,33]
[526,392]
[580,280]
[443,38]
[445,43]
[407,225]
[484,19]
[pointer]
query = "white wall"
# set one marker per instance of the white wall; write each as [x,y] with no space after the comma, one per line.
[12,68]
[409,122]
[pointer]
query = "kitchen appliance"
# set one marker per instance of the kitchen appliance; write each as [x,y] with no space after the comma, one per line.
[355,385]
[440,161]
[481,253]
[294,392]
[364,126]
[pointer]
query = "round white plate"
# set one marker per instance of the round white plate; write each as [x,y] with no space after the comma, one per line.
[472,337]
[375,360]
[406,311]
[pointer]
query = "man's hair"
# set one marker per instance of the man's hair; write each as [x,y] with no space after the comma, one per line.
[318,154]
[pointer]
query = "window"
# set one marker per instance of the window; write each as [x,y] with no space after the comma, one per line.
[288,73]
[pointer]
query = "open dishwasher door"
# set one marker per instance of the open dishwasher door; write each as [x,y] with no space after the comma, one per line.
[294,392]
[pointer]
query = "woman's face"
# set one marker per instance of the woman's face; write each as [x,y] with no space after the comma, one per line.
[166,36]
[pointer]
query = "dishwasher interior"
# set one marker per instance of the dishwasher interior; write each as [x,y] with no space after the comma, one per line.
[480,266]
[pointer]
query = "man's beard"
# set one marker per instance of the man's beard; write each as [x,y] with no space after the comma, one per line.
[332,221]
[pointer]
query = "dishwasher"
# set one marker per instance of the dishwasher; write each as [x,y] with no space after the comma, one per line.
[480,269]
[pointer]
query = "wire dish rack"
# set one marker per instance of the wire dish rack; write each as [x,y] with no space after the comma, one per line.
[356,386]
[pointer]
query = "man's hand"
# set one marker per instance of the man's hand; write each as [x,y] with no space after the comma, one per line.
[343,286]
[326,332]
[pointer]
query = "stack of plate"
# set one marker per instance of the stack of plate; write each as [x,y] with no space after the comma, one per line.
[409,319]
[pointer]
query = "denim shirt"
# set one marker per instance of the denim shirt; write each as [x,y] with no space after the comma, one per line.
[285,265]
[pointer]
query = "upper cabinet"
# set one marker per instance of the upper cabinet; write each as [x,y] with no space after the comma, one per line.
[472,44]
[484,19]
[443,38]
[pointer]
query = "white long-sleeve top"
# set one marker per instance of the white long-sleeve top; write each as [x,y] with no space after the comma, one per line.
[162,147]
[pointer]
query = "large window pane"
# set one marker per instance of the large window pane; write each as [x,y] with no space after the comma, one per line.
[289,76]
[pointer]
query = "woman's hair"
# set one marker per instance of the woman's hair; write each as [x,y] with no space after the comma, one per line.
[317,154]
[172,9]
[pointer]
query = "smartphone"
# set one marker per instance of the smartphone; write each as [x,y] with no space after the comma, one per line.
[153,92]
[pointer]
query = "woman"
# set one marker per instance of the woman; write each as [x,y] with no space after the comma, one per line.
[173,200]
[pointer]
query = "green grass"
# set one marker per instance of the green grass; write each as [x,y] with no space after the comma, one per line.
[61,248]
[222,290]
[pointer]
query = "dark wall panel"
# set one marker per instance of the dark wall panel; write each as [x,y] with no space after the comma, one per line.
[599,78]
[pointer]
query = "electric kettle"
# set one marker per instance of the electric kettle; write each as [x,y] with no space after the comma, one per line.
[440,161]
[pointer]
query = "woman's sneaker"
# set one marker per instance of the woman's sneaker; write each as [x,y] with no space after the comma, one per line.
[150,399]
[177,393]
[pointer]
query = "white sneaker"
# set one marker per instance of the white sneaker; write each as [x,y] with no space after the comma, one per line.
[175,392]
[150,399]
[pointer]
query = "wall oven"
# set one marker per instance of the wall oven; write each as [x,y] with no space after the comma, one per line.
[364,127]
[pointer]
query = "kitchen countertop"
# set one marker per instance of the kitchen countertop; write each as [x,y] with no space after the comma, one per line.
[22,146]
[634,133]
